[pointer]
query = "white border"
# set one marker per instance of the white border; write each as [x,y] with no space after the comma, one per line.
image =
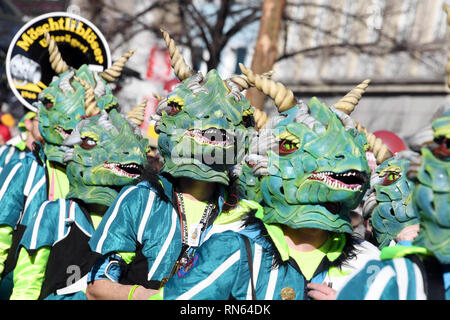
[33,21]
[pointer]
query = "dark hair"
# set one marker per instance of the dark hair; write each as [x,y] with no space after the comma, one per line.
[150,175]
[348,252]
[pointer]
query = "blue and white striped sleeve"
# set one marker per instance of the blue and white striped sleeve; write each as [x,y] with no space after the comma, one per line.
[119,227]
[396,279]
[11,193]
[213,273]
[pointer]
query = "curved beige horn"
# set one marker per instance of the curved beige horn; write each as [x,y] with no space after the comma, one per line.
[56,60]
[378,147]
[348,103]
[181,69]
[136,115]
[90,105]
[243,82]
[283,97]
[113,73]
[261,119]
[157,96]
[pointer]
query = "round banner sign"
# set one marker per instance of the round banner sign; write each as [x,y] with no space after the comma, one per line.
[27,62]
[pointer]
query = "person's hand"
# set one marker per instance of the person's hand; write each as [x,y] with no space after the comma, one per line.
[408,233]
[320,291]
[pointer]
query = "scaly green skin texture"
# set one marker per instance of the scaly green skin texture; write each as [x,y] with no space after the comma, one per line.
[189,155]
[393,211]
[295,190]
[249,184]
[431,195]
[61,109]
[115,159]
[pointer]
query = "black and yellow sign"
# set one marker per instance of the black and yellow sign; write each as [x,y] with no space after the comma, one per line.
[27,62]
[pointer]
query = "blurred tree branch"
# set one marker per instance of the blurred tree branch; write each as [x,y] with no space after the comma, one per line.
[209,25]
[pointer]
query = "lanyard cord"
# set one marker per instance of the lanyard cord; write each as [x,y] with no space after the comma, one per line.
[185,248]
[203,221]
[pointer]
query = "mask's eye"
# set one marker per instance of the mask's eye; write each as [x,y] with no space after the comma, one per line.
[390,178]
[88,143]
[248,121]
[287,147]
[443,149]
[47,103]
[175,105]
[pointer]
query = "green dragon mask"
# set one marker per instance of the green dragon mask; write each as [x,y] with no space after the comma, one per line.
[104,153]
[389,202]
[315,171]
[203,123]
[67,100]
[431,195]
[62,106]
[310,163]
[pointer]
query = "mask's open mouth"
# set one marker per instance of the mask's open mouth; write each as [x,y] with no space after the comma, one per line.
[131,170]
[349,180]
[212,136]
[64,133]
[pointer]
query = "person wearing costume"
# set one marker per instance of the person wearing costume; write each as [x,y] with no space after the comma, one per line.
[308,170]
[155,227]
[421,270]
[41,176]
[16,183]
[104,152]
[388,204]
[16,148]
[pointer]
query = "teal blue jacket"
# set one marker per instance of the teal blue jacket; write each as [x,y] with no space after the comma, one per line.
[23,189]
[396,277]
[65,227]
[145,222]
[8,154]
[220,270]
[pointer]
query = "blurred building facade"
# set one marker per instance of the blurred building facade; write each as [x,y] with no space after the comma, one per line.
[400,45]
[326,48]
